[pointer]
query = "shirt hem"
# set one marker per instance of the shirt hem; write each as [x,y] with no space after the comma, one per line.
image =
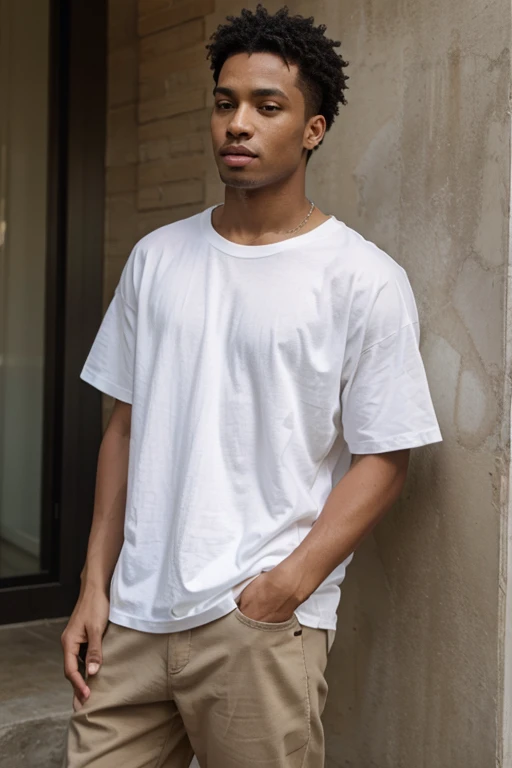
[398,443]
[191,622]
[106,386]
[313,621]
[176,625]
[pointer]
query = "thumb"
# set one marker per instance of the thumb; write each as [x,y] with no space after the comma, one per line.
[94,657]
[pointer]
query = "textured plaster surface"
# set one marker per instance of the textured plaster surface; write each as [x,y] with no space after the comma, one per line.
[418,162]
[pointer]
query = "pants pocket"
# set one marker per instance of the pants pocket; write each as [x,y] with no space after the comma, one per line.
[269,684]
[266,625]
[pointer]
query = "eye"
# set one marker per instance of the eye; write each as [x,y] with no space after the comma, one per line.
[223,105]
[270,108]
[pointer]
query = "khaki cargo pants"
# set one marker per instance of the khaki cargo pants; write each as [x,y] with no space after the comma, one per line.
[236,692]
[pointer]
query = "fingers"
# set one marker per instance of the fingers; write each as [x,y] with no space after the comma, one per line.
[75,678]
[73,642]
[71,650]
[94,656]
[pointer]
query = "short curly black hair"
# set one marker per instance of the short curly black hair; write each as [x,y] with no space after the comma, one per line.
[297,41]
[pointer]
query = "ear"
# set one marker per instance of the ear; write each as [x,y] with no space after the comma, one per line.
[314,131]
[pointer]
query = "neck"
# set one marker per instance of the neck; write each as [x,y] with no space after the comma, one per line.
[250,214]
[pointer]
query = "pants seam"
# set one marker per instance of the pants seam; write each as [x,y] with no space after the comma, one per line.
[179,669]
[158,763]
[168,674]
[308,700]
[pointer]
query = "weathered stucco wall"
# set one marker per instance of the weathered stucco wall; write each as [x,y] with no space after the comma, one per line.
[418,162]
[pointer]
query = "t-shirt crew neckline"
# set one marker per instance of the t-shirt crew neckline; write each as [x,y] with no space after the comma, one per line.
[255,251]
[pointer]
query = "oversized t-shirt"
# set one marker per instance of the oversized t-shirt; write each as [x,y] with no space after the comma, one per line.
[254,373]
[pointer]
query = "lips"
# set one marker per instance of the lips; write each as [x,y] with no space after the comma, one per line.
[237,161]
[237,149]
[237,156]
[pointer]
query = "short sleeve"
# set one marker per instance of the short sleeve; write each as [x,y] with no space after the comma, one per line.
[385,400]
[110,364]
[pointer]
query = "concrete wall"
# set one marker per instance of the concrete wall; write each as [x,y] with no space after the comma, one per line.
[418,162]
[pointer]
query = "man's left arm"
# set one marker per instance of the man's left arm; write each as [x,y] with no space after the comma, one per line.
[386,410]
[353,508]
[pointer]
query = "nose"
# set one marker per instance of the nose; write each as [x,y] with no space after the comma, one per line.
[240,123]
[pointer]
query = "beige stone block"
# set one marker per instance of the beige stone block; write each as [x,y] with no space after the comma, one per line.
[120,36]
[152,150]
[168,148]
[148,7]
[214,191]
[173,39]
[175,127]
[160,68]
[172,104]
[195,77]
[167,14]
[122,178]
[151,220]
[153,89]
[161,171]
[123,76]
[122,142]
[173,193]
[122,23]
[120,224]
[122,9]
[214,187]
[122,247]
[113,267]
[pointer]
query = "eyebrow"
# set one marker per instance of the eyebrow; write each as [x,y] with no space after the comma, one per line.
[255,92]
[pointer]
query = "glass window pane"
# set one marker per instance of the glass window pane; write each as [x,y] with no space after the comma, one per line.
[24,71]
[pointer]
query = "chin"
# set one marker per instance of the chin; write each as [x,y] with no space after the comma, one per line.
[239,180]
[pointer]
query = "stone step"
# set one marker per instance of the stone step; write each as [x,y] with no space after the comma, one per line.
[35,698]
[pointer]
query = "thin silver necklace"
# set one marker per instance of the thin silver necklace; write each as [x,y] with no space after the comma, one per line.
[289,231]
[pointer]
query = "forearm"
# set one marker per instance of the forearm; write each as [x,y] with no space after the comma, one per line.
[107,529]
[351,511]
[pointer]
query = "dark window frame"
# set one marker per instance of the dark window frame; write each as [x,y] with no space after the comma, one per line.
[74,305]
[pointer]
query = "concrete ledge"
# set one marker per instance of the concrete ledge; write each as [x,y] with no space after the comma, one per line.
[34,743]
[35,698]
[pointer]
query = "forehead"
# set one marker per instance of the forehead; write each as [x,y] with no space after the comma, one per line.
[244,71]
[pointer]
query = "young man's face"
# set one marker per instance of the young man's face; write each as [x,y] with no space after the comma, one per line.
[259,107]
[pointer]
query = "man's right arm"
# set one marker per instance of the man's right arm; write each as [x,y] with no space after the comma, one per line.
[90,616]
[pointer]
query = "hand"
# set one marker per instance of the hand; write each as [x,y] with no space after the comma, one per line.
[86,625]
[271,596]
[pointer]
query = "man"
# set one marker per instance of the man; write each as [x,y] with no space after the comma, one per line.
[264,361]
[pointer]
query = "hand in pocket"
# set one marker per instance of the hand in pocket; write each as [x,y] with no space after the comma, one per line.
[270,597]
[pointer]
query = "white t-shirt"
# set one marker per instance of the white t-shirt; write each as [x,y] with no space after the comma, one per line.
[254,372]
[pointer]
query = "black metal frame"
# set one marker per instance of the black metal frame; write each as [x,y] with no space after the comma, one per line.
[72,423]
